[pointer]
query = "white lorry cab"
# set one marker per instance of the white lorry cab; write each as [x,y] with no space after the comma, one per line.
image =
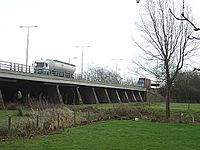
[41,66]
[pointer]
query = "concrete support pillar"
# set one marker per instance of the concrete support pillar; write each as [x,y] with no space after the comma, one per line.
[79,95]
[126,96]
[118,97]
[134,96]
[107,95]
[74,98]
[2,105]
[95,95]
[59,95]
[140,96]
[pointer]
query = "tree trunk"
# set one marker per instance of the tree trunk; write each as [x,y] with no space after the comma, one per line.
[168,102]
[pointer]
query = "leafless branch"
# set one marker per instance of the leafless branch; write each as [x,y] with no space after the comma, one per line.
[193,37]
[184,18]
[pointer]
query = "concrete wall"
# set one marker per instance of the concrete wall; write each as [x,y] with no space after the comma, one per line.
[2,105]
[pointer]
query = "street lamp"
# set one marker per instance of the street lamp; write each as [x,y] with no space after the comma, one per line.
[27,42]
[82,47]
[116,63]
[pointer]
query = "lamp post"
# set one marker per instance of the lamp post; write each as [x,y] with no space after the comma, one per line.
[116,64]
[82,47]
[27,42]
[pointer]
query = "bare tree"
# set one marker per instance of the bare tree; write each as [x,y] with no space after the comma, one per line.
[166,45]
[102,74]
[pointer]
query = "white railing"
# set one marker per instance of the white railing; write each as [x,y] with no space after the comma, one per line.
[5,65]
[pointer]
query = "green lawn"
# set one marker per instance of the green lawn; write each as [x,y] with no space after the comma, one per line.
[158,105]
[115,134]
[177,106]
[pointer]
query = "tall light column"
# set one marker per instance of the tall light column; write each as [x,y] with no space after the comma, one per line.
[116,63]
[82,47]
[27,42]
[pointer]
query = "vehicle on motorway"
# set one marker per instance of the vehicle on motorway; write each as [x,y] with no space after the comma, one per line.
[144,82]
[54,67]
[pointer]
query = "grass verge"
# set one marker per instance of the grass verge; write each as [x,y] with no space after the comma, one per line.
[116,134]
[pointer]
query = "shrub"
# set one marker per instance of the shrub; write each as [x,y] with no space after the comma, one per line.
[26,128]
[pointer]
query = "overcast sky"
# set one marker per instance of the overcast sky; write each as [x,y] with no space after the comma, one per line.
[105,25]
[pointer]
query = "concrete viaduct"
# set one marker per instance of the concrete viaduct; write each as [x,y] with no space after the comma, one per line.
[59,90]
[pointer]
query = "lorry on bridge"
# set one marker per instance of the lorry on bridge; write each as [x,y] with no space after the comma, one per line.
[54,67]
[144,82]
